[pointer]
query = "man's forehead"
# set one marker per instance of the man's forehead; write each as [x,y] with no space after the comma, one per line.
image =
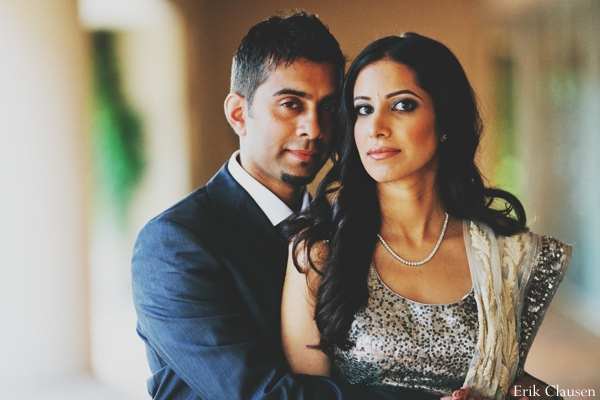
[302,75]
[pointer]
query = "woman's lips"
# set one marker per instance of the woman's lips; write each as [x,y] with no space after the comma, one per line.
[304,155]
[379,153]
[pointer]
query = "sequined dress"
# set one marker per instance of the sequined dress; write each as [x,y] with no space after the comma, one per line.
[402,344]
[481,341]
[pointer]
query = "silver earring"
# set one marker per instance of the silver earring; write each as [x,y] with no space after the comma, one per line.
[444,137]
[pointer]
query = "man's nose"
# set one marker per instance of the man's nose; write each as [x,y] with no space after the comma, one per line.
[310,126]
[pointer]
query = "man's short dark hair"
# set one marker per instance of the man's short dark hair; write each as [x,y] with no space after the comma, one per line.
[282,39]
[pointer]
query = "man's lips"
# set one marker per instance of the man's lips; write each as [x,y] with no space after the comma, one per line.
[379,153]
[304,155]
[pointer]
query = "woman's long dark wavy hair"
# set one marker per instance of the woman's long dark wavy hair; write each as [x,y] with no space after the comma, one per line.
[345,210]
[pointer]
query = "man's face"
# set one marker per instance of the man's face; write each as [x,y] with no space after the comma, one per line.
[289,124]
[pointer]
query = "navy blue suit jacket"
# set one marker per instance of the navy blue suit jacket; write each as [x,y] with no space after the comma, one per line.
[207,282]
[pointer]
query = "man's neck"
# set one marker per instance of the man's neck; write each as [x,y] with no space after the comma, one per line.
[292,197]
[276,198]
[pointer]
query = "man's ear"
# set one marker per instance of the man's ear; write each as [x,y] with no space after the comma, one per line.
[235,112]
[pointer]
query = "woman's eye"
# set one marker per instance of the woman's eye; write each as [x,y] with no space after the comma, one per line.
[404,105]
[363,110]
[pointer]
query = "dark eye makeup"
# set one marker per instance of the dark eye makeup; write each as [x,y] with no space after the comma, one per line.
[400,105]
[363,109]
[404,105]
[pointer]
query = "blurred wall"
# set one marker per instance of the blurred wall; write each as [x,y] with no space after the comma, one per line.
[44,171]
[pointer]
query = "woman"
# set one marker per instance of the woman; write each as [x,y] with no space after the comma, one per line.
[414,273]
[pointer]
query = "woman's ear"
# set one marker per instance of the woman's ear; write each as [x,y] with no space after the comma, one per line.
[235,106]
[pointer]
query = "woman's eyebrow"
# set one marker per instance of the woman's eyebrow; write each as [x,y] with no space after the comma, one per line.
[405,91]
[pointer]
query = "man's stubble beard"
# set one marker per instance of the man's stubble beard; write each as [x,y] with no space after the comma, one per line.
[299,181]
[296,181]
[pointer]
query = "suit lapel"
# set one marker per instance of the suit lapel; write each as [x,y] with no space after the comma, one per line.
[260,254]
[243,219]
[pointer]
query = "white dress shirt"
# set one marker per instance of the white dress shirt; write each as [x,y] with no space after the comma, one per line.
[275,209]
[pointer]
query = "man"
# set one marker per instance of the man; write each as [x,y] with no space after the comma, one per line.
[208,273]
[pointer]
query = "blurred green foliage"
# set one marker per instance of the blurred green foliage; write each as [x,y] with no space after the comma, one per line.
[508,173]
[118,134]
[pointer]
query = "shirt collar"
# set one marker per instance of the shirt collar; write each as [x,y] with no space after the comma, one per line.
[275,209]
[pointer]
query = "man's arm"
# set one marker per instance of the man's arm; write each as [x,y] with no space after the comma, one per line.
[191,318]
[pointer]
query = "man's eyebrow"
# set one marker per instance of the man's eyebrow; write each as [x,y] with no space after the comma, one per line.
[293,92]
[332,97]
[390,95]
[304,95]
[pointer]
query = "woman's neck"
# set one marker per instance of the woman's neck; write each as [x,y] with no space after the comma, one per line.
[412,211]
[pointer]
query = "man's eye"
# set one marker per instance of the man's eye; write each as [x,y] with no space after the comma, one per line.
[330,108]
[291,104]
[363,110]
[404,105]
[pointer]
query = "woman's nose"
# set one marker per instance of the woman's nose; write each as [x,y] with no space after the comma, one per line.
[378,126]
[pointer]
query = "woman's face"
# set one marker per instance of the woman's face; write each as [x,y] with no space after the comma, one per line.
[395,124]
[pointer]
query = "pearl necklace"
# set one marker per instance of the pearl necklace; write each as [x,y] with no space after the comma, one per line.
[416,263]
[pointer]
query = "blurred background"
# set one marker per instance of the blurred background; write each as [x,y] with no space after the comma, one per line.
[111,111]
